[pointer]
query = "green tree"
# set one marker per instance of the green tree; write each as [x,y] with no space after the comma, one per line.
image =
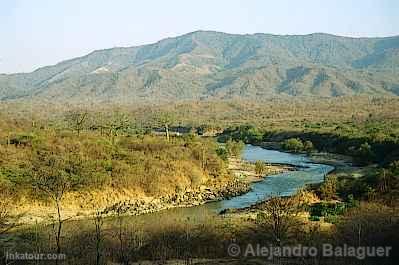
[293,144]
[365,154]
[116,124]
[222,153]
[308,146]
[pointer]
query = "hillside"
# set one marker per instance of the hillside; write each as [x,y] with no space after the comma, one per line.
[213,65]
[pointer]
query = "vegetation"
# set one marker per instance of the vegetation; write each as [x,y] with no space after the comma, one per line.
[293,144]
[55,160]
[260,167]
[329,188]
[234,148]
[369,140]
[246,133]
[245,66]
[59,162]
[278,216]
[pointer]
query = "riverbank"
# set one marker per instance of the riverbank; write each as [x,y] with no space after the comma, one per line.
[126,202]
[80,205]
[341,163]
[201,226]
[245,170]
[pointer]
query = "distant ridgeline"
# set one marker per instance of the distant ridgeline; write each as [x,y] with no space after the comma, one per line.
[214,65]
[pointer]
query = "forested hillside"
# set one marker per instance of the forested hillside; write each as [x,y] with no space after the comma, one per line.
[214,65]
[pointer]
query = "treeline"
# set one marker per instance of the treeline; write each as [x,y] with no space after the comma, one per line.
[146,163]
[377,185]
[364,147]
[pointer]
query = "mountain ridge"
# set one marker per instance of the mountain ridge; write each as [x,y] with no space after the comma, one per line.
[209,64]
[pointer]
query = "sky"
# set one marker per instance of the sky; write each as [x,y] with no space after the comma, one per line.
[36,33]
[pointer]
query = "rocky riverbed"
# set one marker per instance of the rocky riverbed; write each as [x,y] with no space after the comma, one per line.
[188,198]
[112,202]
[243,175]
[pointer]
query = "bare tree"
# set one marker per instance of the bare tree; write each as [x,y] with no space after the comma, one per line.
[98,222]
[116,124]
[278,216]
[76,120]
[166,119]
[121,234]
[55,175]
[7,220]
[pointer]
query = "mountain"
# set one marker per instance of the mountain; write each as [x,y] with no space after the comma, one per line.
[214,65]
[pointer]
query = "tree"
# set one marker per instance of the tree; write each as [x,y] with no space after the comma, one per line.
[166,119]
[278,216]
[76,120]
[308,146]
[7,220]
[328,190]
[365,154]
[369,224]
[55,172]
[124,255]
[234,148]
[115,124]
[293,144]
[98,222]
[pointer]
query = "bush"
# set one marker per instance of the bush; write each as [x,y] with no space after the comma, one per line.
[323,209]
[314,218]
[246,133]
[260,167]
[332,219]
[370,224]
[365,154]
[222,153]
[234,148]
[308,146]
[293,144]
[328,190]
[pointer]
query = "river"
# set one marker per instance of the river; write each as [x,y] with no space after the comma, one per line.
[283,184]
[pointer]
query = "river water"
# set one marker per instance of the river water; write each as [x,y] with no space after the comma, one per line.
[275,185]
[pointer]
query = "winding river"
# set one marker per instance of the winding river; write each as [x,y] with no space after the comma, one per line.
[275,185]
[283,184]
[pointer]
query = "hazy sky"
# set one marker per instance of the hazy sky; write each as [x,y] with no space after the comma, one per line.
[36,33]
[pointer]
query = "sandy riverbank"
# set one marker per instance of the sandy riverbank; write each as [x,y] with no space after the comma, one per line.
[246,171]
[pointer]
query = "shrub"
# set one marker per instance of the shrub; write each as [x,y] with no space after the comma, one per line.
[260,167]
[328,190]
[308,146]
[314,218]
[293,144]
[234,148]
[323,209]
[245,133]
[365,154]
[222,153]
